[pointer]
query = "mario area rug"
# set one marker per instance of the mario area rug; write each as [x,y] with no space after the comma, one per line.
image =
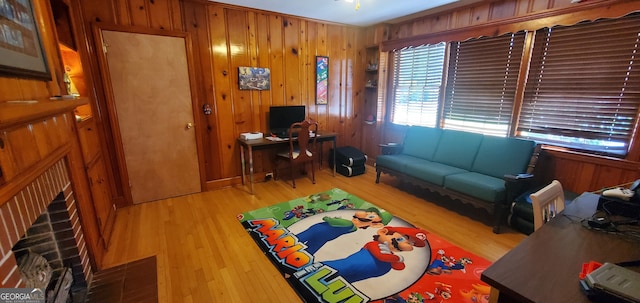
[335,247]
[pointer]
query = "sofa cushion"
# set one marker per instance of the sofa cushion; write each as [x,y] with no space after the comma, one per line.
[457,148]
[431,172]
[498,156]
[481,186]
[396,162]
[421,142]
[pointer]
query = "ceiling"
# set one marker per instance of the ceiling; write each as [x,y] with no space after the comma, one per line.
[340,11]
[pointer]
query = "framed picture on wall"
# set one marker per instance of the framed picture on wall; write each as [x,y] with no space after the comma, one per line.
[253,77]
[322,80]
[21,51]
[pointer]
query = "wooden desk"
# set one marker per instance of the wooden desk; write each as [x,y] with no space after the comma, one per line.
[263,143]
[545,266]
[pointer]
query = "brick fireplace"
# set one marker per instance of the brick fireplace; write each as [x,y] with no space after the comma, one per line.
[22,210]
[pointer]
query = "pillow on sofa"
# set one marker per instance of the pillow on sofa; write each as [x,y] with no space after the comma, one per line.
[498,156]
[421,142]
[457,148]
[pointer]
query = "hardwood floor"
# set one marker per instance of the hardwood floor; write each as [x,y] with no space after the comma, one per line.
[204,254]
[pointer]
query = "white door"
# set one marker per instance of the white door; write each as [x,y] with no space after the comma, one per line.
[152,97]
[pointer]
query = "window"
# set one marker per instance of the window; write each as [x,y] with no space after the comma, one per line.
[481,84]
[583,88]
[417,78]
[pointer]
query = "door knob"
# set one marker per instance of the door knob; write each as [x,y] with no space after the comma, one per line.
[189,125]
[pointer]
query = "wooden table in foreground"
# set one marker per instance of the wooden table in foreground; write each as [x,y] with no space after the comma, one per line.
[545,266]
[263,143]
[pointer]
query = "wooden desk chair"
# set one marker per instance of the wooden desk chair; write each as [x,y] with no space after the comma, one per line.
[547,203]
[302,150]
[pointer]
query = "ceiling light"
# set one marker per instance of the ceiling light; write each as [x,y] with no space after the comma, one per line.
[357,3]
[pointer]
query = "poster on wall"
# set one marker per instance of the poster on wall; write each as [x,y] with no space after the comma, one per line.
[253,77]
[21,50]
[322,80]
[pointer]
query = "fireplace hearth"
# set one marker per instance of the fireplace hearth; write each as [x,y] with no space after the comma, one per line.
[43,219]
[48,253]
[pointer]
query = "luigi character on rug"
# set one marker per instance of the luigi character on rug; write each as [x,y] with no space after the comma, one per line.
[319,234]
[378,257]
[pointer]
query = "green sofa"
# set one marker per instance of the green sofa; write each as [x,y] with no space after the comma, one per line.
[485,171]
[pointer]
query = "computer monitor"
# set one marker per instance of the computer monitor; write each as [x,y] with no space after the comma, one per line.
[281,118]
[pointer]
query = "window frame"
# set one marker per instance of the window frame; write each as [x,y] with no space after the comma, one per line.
[482,80]
[392,84]
[609,82]
[514,124]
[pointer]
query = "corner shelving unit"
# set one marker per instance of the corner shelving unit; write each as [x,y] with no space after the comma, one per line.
[371,108]
[374,69]
[370,114]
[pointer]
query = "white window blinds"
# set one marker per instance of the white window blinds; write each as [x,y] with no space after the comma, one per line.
[417,77]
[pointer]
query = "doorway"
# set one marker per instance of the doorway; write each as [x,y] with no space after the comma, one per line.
[149,94]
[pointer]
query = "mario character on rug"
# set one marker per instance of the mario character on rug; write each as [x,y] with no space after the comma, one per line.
[378,257]
[443,264]
[318,234]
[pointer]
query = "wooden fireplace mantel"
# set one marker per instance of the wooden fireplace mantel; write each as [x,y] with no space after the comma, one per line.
[41,157]
[33,136]
[12,114]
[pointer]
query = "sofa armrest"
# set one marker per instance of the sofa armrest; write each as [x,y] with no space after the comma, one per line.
[516,185]
[390,148]
[518,177]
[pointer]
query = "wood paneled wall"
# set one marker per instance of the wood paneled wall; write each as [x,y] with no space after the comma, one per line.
[225,37]
[491,18]
[482,13]
[229,37]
